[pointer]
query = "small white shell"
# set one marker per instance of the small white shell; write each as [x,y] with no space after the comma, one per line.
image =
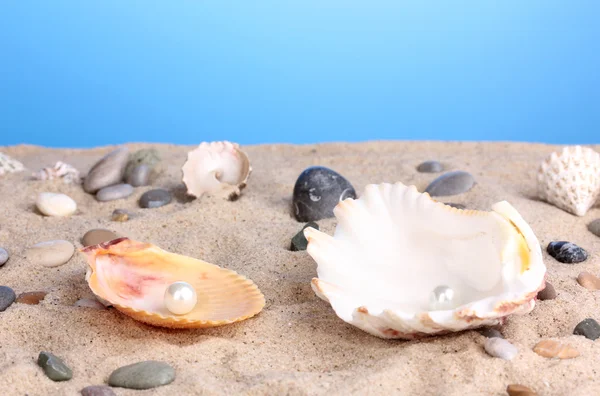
[9,165]
[217,167]
[60,170]
[394,245]
[570,180]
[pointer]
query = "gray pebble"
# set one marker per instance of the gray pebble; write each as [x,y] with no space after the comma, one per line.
[588,328]
[143,375]
[50,253]
[139,175]
[430,167]
[3,256]
[111,193]
[97,390]
[490,332]
[451,183]
[547,293]
[148,157]
[120,215]
[594,227]
[54,367]
[108,171]
[500,348]
[7,297]
[97,236]
[155,198]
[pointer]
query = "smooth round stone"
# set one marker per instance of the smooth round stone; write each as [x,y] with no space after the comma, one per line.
[97,390]
[555,349]
[97,236]
[548,293]
[594,227]
[588,328]
[566,252]
[54,204]
[155,198]
[89,303]
[108,171]
[111,193]
[31,298]
[589,281]
[490,332]
[299,241]
[451,183]
[317,191]
[139,175]
[143,375]
[54,367]
[3,256]
[50,253]
[120,215]
[500,348]
[430,167]
[519,390]
[456,205]
[148,157]
[7,297]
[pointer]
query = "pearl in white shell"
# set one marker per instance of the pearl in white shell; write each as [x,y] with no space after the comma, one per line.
[180,298]
[442,298]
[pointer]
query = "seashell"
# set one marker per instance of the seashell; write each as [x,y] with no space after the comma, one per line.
[133,276]
[60,170]
[393,247]
[9,165]
[217,167]
[570,180]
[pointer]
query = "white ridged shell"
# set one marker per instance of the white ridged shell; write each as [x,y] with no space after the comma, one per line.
[570,180]
[394,245]
[9,165]
[60,170]
[216,167]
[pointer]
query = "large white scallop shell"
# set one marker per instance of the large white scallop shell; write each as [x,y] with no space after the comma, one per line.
[60,170]
[218,168]
[570,180]
[9,165]
[393,246]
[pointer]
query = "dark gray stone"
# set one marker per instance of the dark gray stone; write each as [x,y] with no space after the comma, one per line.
[3,256]
[155,198]
[457,206]
[142,375]
[490,332]
[430,167]
[566,252]
[148,157]
[588,328]
[108,171]
[548,293]
[451,183]
[139,175]
[54,367]
[299,241]
[317,191]
[117,191]
[7,297]
[97,390]
[594,227]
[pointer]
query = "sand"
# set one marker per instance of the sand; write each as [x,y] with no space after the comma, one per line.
[296,345]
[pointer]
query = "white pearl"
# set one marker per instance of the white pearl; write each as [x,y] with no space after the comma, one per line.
[180,298]
[442,298]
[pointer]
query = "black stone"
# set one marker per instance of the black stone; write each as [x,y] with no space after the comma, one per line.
[317,191]
[588,328]
[490,332]
[7,297]
[566,252]
[142,375]
[54,367]
[451,183]
[430,167]
[155,198]
[299,241]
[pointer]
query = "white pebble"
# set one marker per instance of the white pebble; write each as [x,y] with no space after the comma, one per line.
[50,253]
[54,204]
[500,348]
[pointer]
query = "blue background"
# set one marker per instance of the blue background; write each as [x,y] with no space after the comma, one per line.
[85,73]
